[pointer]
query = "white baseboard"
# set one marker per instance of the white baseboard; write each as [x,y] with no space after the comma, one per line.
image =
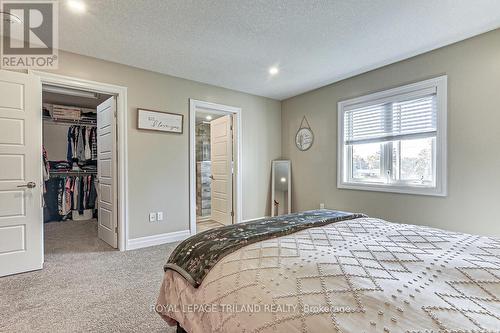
[169,237]
[257,218]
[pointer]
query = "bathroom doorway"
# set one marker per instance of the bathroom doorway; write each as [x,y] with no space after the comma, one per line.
[214,136]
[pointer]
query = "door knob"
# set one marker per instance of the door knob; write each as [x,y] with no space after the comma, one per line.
[28,185]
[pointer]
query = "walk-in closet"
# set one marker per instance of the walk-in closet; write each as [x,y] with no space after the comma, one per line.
[70,167]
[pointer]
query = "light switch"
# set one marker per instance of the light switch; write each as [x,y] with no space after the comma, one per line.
[152,217]
[321,206]
[159,216]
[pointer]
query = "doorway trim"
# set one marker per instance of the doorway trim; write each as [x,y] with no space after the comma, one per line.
[196,105]
[121,146]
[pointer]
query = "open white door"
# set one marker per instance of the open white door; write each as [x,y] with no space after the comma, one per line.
[221,144]
[106,172]
[21,245]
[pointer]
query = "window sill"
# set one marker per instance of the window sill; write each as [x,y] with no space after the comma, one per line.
[416,190]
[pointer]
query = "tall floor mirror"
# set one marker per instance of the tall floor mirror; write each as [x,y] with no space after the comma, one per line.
[281,201]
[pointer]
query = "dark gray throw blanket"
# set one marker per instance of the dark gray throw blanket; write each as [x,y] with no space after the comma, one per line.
[197,255]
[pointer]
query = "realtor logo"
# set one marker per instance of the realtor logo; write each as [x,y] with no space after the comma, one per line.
[29,34]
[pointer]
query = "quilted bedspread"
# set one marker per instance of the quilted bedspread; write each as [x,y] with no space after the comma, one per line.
[362,275]
[197,255]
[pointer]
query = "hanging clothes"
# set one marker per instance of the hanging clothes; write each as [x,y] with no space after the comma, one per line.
[93,138]
[81,196]
[76,192]
[74,138]
[82,143]
[67,189]
[87,192]
[92,201]
[50,201]
[65,194]
[46,174]
[51,208]
[69,193]
[69,153]
[46,165]
[88,151]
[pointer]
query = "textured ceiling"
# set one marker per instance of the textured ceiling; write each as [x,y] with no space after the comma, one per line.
[232,43]
[202,116]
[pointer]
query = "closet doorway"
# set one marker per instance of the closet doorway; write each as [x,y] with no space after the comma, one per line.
[214,159]
[22,120]
[78,132]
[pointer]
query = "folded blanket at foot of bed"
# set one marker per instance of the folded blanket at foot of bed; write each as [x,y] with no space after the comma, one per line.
[195,256]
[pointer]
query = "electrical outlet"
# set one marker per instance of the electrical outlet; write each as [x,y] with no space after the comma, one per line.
[152,217]
[321,206]
[159,216]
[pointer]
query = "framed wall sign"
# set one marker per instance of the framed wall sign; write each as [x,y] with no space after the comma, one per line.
[159,121]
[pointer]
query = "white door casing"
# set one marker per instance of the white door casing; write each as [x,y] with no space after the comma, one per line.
[21,223]
[106,172]
[121,181]
[215,108]
[221,155]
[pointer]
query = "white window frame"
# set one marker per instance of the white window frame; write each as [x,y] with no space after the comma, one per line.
[440,84]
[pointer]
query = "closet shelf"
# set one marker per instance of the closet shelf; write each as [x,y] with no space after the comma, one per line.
[83,122]
[72,173]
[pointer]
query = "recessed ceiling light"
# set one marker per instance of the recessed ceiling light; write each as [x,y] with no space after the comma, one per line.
[208,117]
[283,179]
[274,70]
[77,6]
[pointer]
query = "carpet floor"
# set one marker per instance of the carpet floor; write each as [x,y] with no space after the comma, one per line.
[207,225]
[85,286]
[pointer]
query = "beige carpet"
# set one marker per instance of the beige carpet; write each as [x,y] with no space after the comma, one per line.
[85,286]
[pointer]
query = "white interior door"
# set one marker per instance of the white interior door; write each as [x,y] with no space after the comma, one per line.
[21,223]
[106,172]
[221,152]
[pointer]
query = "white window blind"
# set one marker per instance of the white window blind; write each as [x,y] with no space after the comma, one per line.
[392,120]
[395,140]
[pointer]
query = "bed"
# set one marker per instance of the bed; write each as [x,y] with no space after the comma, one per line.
[357,274]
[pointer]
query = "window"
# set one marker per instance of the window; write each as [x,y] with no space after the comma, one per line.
[395,140]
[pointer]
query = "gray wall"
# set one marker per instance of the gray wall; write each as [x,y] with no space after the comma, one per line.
[158,162]
[55,141]
[473,69]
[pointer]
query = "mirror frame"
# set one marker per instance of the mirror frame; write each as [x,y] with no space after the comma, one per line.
[273,178]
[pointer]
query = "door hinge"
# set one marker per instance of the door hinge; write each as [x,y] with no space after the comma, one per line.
[116,229]
[232,214]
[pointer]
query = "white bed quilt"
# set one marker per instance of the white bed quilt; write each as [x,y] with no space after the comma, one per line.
[363,275]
